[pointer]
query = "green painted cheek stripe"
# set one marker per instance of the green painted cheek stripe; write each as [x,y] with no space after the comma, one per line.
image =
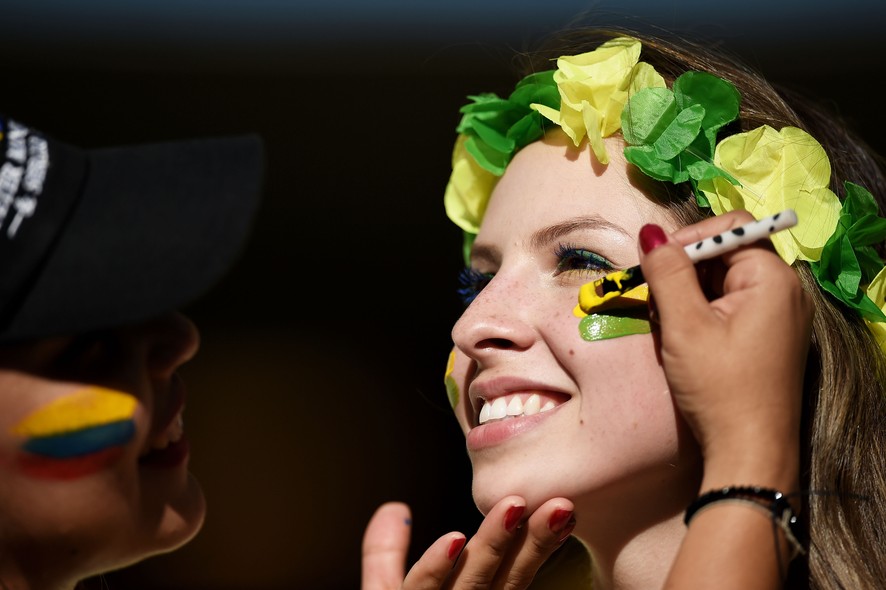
[600,326]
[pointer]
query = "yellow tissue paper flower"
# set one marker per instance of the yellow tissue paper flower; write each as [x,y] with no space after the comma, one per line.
[778,170]
[594,88]
[469,189]
[876,291]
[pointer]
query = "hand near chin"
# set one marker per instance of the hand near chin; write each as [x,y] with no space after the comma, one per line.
[506,551]
[733,347]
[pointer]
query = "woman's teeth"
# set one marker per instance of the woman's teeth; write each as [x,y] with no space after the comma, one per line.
[172,434]
[513,406]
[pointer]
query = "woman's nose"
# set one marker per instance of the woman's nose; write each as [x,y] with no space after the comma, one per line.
[171,340]
[496,320]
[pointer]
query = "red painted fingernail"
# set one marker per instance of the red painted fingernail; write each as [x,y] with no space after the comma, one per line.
[513,516]
[651,237]
[455,548]
[567,530]
[559,520]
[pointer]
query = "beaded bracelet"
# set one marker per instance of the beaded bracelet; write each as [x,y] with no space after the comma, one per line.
[773,502]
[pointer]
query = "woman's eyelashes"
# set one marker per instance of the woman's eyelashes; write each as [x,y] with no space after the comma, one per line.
[570,259]
[471,282]
[575,259]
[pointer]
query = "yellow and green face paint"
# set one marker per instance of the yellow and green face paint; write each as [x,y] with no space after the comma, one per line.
[77,434]
[451,385]
[624,315]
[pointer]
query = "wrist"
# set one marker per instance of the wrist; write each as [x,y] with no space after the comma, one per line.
[761,462]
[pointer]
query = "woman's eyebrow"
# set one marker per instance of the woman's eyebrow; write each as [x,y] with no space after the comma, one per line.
[488,254]
[549,234]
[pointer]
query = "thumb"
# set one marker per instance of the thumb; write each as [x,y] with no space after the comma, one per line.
[671,276]
[385,546]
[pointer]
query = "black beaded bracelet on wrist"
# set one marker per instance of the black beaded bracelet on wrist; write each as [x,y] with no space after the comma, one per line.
[772,501]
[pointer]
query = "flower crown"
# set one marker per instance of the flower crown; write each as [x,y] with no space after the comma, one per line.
[671,136]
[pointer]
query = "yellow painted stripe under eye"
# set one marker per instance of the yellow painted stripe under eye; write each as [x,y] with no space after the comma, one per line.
[85,408]
[636,296]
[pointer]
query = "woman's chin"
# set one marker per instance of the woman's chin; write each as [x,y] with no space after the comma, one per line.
[488,492]
[181,519]
[187,513]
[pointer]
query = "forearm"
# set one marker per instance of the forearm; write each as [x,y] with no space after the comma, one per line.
[737,541]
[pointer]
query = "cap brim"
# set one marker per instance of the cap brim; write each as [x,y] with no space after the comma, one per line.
[157,225]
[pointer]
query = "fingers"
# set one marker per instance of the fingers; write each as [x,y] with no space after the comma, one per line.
[508,549]
[434,568]
[543,533]
[385,546]
[506,552]
[671,275]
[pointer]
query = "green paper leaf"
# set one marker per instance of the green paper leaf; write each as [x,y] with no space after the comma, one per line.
[487,157]
[719,98]
[859,201]
[848,260]
[497,127]
[849,278]
[527,129]
[537,88]
[647,115]
[644,158]
[700,199]
[682,126]
[680,134]
[702,170]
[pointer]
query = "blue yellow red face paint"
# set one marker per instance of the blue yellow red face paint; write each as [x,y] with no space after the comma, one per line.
[75,435]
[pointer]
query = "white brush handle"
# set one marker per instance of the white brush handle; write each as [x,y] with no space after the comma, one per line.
[739,236]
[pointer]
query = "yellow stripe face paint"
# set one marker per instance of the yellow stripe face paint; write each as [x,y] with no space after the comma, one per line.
[85,408]
[636,296]
[76,435]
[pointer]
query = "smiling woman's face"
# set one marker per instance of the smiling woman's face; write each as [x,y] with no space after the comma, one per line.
[555,222]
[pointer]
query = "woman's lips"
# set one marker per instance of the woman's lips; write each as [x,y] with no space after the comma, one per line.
[167,445]
[496,432]
[172,455]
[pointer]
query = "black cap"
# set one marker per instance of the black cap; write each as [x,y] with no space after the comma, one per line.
[92,239]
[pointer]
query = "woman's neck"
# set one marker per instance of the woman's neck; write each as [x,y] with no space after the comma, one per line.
[641,561]
[633,536]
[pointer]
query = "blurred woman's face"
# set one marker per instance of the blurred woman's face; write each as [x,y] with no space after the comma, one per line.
[93,457]
[595,421]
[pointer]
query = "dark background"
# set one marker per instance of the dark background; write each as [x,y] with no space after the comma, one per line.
[318,392]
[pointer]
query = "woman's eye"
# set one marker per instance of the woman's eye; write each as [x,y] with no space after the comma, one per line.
[570,258]
[471,282]
[86,354]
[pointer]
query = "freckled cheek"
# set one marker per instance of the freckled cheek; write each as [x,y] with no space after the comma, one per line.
[560,329]
[623,372]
